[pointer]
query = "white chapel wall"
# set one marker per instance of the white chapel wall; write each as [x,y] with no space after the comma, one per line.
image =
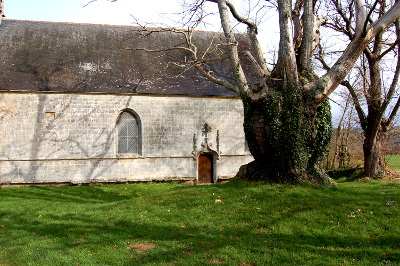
[57,137]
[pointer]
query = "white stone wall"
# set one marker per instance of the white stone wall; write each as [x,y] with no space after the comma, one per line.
[65,137]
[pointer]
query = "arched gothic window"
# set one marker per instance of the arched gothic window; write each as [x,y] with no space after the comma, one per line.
[129,133]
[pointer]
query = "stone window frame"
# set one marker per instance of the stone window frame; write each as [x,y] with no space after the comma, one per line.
[137,119]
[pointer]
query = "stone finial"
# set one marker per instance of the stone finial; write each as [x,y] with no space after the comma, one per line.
[206,128]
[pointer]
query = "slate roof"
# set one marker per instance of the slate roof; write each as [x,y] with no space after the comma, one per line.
[65,57]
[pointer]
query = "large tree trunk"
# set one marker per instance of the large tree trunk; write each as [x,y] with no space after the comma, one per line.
[373,165]
[287,136]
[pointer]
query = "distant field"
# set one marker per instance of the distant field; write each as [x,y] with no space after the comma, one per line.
[394,162]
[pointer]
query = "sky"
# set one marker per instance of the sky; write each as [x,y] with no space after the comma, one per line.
[98,12]
[117,12]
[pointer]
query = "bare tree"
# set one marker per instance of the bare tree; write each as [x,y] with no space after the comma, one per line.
[377,118]
[341,133]
[287,116]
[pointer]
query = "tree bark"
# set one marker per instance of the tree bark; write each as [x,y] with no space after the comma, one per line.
[288,137]
[373,166]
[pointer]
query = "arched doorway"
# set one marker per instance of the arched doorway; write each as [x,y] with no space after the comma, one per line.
[205,169]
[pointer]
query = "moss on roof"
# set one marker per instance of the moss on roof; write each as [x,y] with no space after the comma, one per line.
[41,56]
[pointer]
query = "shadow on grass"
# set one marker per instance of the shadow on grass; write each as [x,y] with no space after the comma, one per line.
[205,243]
[251,225]
[78,194]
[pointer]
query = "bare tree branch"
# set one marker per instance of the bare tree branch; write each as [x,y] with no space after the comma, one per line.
[297,24]
[209,75]
[393,113]
[357,105]
[252,31]
[395,80]
[388,50]
[324,86]
[92,1]
[347,20]
[239,18]
[306,47]
[350,88]
[364,31]
[286,66]
[232,49]
[361,16]
[188,46]
[385,20]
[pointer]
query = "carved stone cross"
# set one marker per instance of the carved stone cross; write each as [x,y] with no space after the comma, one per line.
[206,129]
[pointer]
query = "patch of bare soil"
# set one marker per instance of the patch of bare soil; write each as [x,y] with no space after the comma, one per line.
[215,261]
[79,240]
[392,174]
[142,247]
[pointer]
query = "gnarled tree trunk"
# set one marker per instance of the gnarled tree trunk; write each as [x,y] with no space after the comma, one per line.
[373,165]
[287,136]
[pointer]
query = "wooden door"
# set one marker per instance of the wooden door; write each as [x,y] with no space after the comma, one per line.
[205,169]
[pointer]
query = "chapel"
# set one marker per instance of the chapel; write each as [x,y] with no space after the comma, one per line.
[84,103]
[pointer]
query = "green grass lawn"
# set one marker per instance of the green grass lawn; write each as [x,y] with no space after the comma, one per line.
[236,223]
[394,162]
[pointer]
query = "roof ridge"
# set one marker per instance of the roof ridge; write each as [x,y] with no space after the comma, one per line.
[106,25]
